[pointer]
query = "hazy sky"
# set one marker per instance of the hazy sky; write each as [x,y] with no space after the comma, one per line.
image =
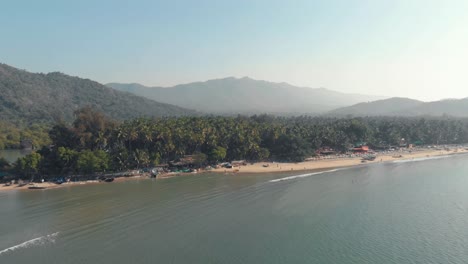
[409,48]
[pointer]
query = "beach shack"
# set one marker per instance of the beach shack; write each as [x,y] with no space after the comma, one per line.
[238,163]
[361,149]
[188,162]
[403,143]
[325,151]
[183,162]
[162,167]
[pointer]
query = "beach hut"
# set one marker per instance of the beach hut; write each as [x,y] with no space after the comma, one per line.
[325,151]
[361,149]
[238,163]
[403,143]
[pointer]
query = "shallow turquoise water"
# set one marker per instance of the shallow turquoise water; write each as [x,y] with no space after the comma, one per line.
[414,212]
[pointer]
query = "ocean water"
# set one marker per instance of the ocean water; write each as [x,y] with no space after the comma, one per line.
[412,212]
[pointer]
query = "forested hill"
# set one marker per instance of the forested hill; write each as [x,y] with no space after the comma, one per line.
[35,97]
[406,107]
[450,107]
[389,107]
[247,96]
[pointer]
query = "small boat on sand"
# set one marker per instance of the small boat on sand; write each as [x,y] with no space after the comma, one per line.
[106,179]
[369,158]
[35,187]
[154,173]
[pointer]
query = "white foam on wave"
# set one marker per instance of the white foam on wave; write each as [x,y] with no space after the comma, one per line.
[422,159]
[302,175]
[33,242]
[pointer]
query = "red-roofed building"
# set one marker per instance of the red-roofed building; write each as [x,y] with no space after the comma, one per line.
[361,149]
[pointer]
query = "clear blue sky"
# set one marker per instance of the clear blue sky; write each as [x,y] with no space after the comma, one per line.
[412,48]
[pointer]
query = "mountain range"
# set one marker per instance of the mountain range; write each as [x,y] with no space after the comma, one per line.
[27,97]
[247,96]
[37,97]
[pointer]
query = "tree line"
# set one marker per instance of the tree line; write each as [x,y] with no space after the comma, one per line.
[94,143]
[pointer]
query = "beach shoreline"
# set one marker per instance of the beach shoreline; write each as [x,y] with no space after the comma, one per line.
[270,167]
[333,163]
[50,185]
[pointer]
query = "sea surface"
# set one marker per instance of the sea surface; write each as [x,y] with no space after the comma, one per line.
[405,212]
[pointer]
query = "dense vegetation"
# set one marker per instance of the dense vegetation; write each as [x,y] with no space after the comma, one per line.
[95,143]
[31,98]
[11,135]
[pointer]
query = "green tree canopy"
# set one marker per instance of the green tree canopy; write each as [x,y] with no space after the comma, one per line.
[217,154]
[90,162]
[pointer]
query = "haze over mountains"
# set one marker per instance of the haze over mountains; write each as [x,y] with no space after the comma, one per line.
[247,96]
[37,97]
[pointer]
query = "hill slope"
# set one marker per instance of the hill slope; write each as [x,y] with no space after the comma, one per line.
[391,106]
[452,107]
[37,97]
[406,107]
[245,95]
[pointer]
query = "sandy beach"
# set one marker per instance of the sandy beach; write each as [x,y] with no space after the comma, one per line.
[49,185]
[335,162]
[272,167]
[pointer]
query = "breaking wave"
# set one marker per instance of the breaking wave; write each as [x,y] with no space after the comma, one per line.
[33,242]
[302,175]
[422,159]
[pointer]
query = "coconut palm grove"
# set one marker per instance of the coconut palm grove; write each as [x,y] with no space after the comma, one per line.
[95,144]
